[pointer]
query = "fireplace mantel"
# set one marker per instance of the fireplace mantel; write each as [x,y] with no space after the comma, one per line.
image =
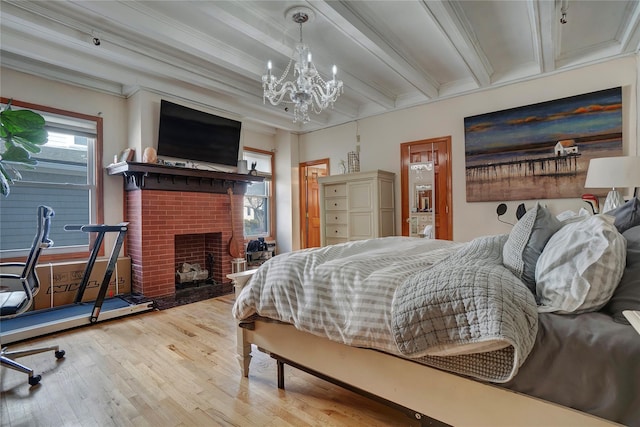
[148,176]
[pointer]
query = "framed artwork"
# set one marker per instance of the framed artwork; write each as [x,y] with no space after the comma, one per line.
[126,155]
[541,151]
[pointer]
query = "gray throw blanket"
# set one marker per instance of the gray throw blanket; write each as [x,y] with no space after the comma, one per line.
[464,302]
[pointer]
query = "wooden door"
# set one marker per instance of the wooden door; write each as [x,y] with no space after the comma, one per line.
[310,201]
[436,150]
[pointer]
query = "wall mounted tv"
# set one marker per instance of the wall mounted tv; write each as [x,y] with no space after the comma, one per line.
[194,135]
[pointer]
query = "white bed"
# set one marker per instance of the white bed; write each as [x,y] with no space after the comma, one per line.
[429,391]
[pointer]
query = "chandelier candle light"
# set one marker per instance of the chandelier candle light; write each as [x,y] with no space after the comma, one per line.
[306,90]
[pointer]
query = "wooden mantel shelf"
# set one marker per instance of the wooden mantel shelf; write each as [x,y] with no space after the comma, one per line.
[148,176]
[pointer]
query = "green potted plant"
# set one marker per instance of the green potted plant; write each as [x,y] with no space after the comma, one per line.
[22,132]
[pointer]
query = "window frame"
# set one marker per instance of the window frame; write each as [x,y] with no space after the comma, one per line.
[272,196]
[96,203]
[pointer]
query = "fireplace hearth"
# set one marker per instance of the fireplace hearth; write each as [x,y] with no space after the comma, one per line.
[193,293]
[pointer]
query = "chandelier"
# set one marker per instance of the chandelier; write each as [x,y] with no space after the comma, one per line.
[306,89]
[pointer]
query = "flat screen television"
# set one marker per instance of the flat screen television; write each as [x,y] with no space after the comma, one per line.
[194,135]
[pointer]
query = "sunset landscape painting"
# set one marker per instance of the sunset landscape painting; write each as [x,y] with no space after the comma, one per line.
[541,151]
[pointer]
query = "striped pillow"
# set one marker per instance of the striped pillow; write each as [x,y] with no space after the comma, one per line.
[580,266]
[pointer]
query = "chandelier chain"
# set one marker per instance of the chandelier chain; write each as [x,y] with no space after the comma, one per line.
[300,32]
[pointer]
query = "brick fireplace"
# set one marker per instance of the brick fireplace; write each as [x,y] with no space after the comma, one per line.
[179,218]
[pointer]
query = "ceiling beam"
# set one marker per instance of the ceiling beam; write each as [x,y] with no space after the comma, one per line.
[345,21]
[79,56]
[544,29]
[457,29]
[137,20]
[630,32]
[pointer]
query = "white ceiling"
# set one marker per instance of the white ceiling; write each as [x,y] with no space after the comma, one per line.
[390,54]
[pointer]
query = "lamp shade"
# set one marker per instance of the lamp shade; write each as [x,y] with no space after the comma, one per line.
[614,172]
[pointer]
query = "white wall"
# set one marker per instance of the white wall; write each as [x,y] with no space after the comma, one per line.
[382,135]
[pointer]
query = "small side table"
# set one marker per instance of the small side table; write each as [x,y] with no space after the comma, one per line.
[240,279]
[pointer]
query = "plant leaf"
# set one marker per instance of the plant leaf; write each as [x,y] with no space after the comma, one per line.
[28,145]
[18,121]
[23,131]
[34,136]
[18,155]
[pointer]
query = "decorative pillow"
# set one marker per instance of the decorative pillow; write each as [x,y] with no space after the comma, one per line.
[627,294]
[526,242]
[580,266]
[627,215]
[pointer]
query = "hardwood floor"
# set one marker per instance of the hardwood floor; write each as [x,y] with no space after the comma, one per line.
[174,367]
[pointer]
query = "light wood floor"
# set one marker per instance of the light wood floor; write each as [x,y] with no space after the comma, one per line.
[174,367]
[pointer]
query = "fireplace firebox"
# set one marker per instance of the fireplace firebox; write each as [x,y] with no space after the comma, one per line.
[197,259]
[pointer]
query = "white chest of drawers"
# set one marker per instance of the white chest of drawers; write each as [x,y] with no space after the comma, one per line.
[356,206]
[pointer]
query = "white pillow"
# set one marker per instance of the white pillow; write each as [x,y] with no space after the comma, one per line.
[580,266]
[572,216]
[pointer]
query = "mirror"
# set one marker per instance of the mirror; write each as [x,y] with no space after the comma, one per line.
[421,200]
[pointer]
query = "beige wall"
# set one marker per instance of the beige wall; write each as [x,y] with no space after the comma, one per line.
[381,136]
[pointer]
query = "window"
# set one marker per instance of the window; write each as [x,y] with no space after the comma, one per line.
[64,179]
[258,200]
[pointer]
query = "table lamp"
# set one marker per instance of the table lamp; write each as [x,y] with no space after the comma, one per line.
[613,172]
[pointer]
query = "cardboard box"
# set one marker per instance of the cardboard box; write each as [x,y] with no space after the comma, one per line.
[59,282]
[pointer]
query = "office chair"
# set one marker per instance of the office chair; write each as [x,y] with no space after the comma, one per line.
[19,284]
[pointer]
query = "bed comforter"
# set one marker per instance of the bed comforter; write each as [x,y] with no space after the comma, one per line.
[449,305]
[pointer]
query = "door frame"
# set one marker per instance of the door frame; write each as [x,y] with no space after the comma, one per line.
[302,174]
[444,141]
